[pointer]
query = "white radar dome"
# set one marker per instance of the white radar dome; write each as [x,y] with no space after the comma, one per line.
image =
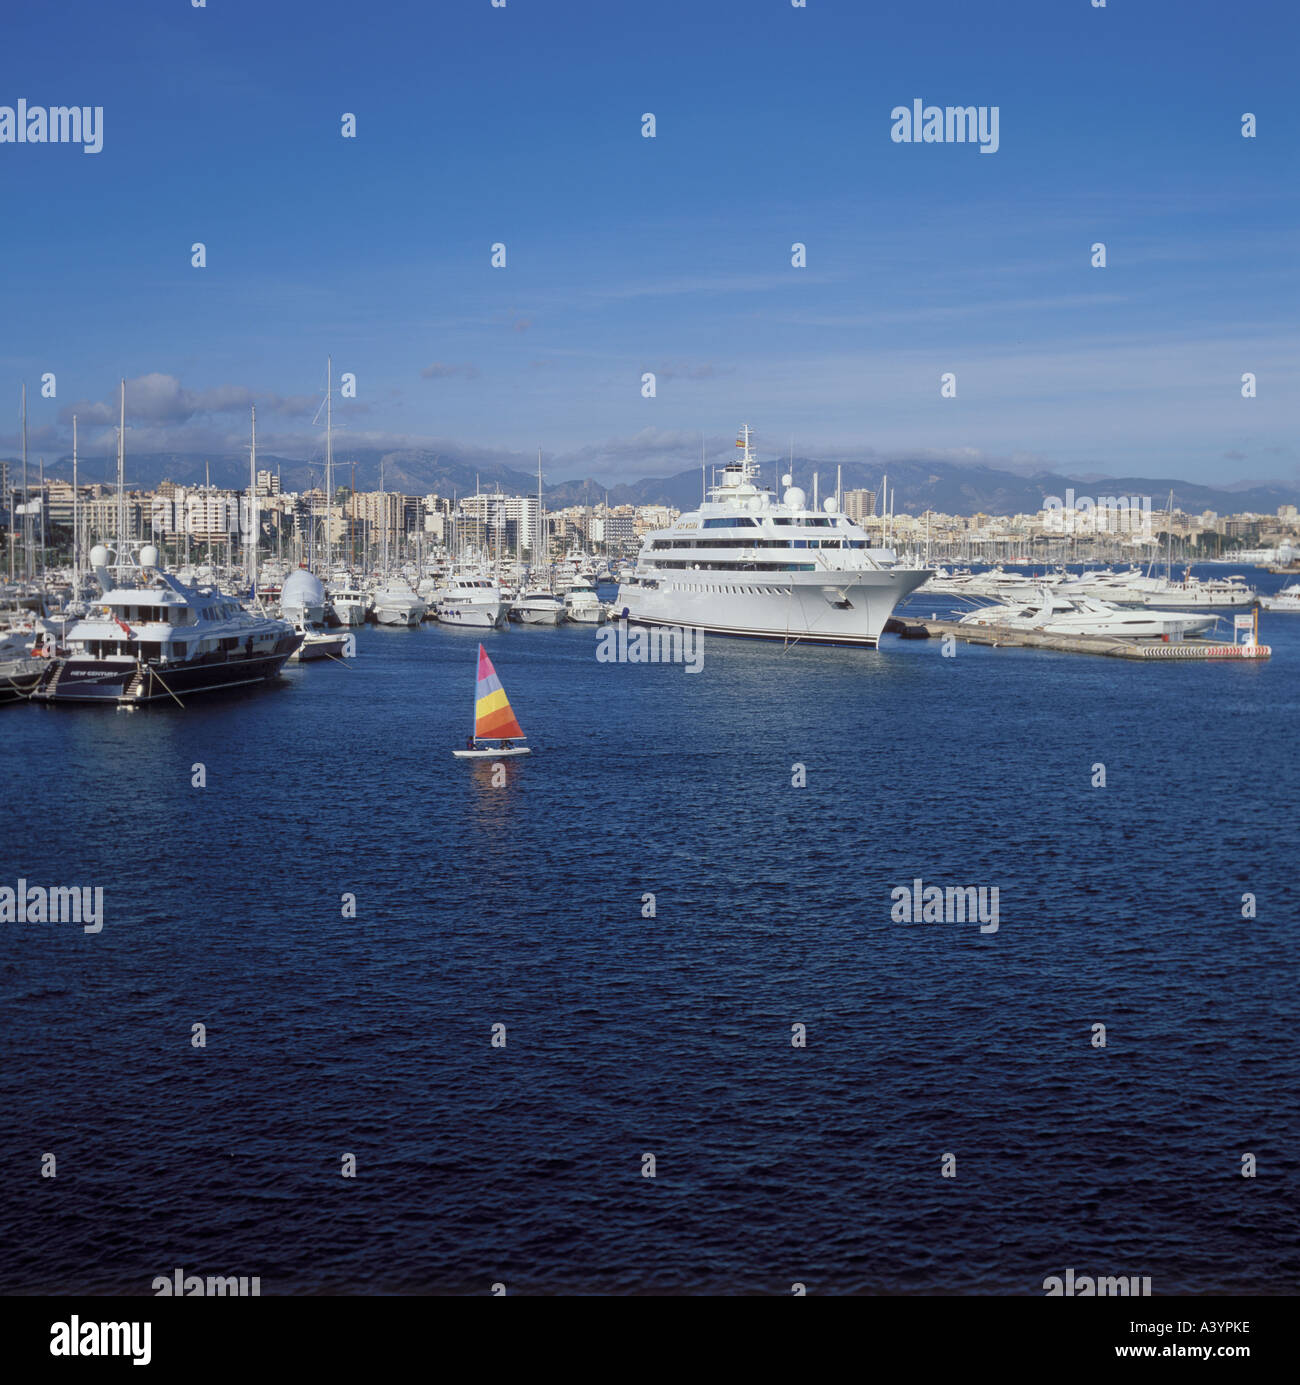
[795,498]
[830,504]
[787,480]
[302,589]
[148,556]
[99,556]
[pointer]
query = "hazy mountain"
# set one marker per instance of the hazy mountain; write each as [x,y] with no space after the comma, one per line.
[946,487]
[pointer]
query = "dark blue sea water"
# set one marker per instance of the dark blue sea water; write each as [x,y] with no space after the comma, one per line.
[521,905]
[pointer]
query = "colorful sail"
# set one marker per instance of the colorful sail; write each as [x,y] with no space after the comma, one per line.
[493,718]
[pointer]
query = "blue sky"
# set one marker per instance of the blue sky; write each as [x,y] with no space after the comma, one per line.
[672,255]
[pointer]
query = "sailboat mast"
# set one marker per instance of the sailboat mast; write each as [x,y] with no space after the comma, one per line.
[121,471]
[76,532]
[329,454]
[27,547]
[253,525]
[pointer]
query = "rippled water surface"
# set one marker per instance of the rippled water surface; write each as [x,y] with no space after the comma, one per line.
[521,905]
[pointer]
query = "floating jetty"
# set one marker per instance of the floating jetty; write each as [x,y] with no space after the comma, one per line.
[1113,645]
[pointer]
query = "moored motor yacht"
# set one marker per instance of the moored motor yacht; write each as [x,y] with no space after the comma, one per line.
[581,604]
[1053,613]
[394,603]
[537,606]
[747,563]
[151,637]
[348,601]
[1288,599]
[471,601]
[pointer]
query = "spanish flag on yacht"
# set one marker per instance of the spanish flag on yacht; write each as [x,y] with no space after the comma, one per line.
[493,718]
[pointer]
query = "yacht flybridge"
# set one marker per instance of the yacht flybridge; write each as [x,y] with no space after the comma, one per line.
[152,637]
[746,563]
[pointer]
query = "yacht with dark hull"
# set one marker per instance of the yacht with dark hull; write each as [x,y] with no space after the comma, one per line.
[154,638]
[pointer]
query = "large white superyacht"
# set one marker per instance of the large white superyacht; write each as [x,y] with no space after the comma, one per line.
[746,563]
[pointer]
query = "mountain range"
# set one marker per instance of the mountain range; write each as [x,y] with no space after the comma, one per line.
[945,487]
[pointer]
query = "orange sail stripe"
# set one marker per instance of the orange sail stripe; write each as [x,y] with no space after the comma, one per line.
[499,723]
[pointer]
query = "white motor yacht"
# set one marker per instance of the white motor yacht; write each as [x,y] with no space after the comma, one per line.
[471,601]
[537,606]
[1056,614]
[302,603]
[394,603]
[349,602]
[1288,599]
[581,604]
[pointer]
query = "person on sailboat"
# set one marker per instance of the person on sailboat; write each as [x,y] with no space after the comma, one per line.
[469,742]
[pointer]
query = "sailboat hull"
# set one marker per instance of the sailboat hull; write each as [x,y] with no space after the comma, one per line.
[492,754]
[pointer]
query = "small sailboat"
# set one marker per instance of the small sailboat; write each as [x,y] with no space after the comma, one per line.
[493,718]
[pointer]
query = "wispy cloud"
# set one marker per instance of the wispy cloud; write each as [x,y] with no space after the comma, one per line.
[162,399]
[440,370]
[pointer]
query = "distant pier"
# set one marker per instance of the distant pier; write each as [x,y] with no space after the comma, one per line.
[1116,647]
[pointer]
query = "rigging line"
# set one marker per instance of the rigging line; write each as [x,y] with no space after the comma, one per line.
[166,689]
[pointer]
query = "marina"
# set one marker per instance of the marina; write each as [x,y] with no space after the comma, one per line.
[615,683]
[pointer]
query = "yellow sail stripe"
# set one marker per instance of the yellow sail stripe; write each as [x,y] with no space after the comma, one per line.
[493,702]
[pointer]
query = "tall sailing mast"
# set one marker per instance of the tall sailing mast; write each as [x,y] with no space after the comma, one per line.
[329,457]
[27,519]
[383,510]
[121,476]
[76,530]
[253,526]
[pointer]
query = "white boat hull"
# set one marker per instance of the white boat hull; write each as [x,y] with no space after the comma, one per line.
[319,647]
[391,615]
[795,607]
[492,754]
[350,612]
[477,616]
